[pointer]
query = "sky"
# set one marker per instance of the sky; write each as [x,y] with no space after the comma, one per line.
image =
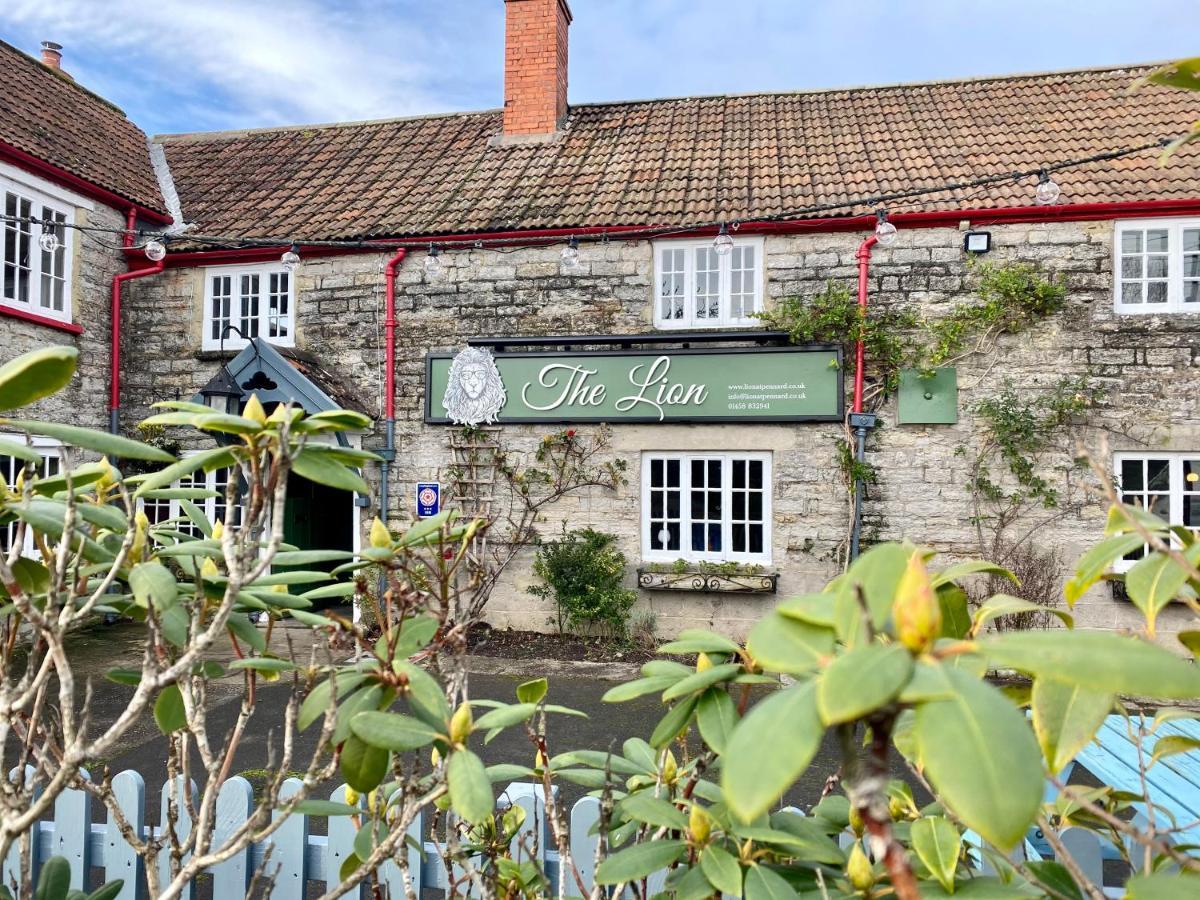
[198,65]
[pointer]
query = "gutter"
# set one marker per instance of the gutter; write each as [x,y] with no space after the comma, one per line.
[861,422]
[1066,212]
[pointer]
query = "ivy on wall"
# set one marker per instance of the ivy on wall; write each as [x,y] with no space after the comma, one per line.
[1016,430]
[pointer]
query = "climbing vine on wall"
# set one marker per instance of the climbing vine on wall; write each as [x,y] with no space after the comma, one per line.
[1009,299]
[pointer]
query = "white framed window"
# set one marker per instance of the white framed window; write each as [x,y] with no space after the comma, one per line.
[706,507]
[258,300]
[1165,484]
[33,279]
[695,287]
[1157,266]
[10,467]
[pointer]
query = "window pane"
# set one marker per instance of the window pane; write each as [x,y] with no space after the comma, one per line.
[673,510]
[756,506]
[1131,242]
[756,539]
[1191,265]
[1131,475]
[1191,239]
[1156,266]
[1156,292]
[1131,267]
[739,473]
[1131,292]
[1158,474]
[707,303]
[1191,292]
[249,297]
[1156,240]
[673,473]
[756,473]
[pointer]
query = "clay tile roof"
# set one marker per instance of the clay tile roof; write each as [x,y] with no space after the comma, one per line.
[47,115]
[679,161]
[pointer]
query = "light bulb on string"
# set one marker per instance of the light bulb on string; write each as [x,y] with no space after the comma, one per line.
[723,243]
[432,265]
[570,255]
[1047,190]
[48,240]
[291,257]
[155,250]
[885,231]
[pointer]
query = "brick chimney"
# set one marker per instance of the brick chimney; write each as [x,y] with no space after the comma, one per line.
[535,68]
[52,55]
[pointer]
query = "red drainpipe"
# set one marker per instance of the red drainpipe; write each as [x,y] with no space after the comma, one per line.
[864,264]
[859,421]
[114,378]
[389,379]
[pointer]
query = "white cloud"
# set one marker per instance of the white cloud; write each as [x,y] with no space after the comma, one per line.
[255,63]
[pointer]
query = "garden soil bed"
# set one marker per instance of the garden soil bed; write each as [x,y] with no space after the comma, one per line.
[483,640]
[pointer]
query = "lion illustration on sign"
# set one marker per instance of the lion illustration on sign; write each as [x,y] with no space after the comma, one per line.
[474,390]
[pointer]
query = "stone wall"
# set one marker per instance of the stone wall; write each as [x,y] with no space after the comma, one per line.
[95,261]
[1145,362]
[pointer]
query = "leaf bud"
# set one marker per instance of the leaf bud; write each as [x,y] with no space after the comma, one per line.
[917,613]
[461,724]
[352,796]
[699,824]
[380,536]
[218,530]
[208,568]
[254,410]
[858,869]
[670,769]
[703,662]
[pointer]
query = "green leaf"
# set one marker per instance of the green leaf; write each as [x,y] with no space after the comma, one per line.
[1153,582]
[111,445]
[392,731]
[367,699]
[689,884]
[928,682]
[1172,744]
[343,419]
[504,716]
[318,468]
[108,891]
[533,691]
[861,681]
[36,374]
[216,458]
[953,573]
[308,557]
[781,644]
[362,765]
[225,423]
[997,794]
[1054,875]
[937,843]
[23,452]
[766,884]
[263,664]
[508,772]
[246,631]
[169,713]
[55,878]
[638,688]
[174,622]
[1097,660]
[1097,561]
[1066,718]
[1005,605]
[956,614]
[1182,73]
[321,696]
[674,722]
[770,748]
[697,640]
[722,870]
[1161,886]
[415,634]
[645,807]
[638,861]
[878,572]
[596,759]
[131,677]
[342,589]
[815,609]
[326,808]
[716,716]
[1190,640]
[699,681]
[152,581]
[425,695]
[470,788]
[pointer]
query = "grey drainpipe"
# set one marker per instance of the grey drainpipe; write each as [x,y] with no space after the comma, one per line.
[861,423]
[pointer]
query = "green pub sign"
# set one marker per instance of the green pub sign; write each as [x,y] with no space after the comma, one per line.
[754,384]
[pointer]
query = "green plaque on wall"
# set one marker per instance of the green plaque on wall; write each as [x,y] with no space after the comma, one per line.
[928,399]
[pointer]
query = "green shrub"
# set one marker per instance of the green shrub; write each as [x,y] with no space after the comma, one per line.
[583,574]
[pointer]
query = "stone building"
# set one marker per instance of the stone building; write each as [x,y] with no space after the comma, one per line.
[590,242]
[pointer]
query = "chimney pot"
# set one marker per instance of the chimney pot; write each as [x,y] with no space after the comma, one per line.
[52,55]
[535,67]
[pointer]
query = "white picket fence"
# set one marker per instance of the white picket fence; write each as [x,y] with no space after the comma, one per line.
[298,857]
